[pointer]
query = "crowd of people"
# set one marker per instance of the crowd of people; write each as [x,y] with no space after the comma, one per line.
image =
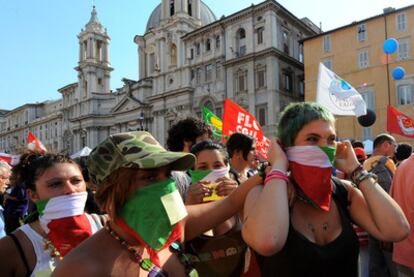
[316,207]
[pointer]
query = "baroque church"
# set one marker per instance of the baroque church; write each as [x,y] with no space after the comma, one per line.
[187,58]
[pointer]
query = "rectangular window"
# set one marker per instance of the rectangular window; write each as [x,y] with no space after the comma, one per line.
[401,22]
[197,46]
[192,74]
[361,32]
[261,115]
[363,60]
[287,81]
[260,35]
[403,49]
[261,78]
[198,76]
[219,112]
[217,42]
[209,72]
[241,83]
[218,70]
[242,50]
[327,63]
[191,53]
[326,43]
[405,94]
[301,88]
[285,35]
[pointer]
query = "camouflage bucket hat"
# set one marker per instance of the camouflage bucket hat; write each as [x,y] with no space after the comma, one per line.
[133,149]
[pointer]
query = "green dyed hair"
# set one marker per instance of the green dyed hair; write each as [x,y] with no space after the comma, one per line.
[297,115]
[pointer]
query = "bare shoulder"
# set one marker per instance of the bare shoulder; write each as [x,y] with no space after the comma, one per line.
[84,260]
[13,265]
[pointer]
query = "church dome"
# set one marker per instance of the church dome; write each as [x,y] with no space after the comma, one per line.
[154,21]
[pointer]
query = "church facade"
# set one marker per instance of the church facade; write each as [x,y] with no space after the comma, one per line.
[187,59]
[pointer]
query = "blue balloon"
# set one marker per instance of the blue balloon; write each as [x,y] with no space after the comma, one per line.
[398,73]
[390,45]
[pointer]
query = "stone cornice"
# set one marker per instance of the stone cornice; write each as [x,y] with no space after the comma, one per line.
[175,92]
[272,51]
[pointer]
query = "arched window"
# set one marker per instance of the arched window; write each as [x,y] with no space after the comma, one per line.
[173,54]
[209,105]
[208,44]
[190,7]
[241,41]
[172,8]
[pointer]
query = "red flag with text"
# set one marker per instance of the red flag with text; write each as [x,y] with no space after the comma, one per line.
[238,120]
[399,123]
[34,144]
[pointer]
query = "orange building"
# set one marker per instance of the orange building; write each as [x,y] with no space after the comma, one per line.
[355,52]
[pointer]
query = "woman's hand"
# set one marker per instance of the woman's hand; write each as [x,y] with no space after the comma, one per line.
[345,159]
[225,186]
[277,157]
[197,192]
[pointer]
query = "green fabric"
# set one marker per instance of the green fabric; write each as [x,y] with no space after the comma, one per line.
[41,205]
[144,212]
[214,121]
[330,152]
[198,175]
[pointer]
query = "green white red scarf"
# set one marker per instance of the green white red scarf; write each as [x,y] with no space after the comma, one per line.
[64,221]
[311,170]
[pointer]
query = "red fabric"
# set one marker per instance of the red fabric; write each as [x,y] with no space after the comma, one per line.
[68,232]
[360,154]
[34,143]
[315,182]
[238,120]
[399,123]
[175,235]
[252,268]
[362,235]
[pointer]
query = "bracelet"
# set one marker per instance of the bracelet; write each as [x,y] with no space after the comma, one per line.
[277,170]
[276,175]
[360,174]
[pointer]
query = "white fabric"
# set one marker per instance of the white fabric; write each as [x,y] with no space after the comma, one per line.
[44,263]
[309,156]
[84,152]
[337,95]
[63,206]
[216,174]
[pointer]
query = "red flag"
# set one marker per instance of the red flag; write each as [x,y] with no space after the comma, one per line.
[34,144]
[238,120]
[399,123]
[10,159]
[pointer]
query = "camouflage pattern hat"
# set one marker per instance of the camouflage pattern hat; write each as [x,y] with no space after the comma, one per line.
[133,149]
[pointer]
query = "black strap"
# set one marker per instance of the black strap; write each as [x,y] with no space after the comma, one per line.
[19,247]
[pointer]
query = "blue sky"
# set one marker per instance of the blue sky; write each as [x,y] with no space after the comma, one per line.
[39,45]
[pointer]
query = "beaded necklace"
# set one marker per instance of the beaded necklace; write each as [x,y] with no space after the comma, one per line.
[53,252]
[145,264]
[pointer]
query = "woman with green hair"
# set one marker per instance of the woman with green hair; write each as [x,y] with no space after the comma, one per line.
[299,222]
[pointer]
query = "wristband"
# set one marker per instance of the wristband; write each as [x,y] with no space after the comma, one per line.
[276,175]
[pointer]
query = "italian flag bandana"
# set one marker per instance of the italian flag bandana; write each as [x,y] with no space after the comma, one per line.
[311,170]
[64,221]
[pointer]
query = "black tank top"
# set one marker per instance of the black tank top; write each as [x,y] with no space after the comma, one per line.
[300,257]
[219,255]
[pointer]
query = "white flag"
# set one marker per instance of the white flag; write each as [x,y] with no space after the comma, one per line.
[337,95]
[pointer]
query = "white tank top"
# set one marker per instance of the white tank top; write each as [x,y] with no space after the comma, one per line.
[44,263]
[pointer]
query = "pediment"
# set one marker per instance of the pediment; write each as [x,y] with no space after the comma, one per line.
[125,105]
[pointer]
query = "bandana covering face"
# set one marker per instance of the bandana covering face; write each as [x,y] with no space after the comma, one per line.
[311,169]
[210,176]
[152,216]
[64,221]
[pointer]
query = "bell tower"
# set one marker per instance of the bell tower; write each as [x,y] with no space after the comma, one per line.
[94,70]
